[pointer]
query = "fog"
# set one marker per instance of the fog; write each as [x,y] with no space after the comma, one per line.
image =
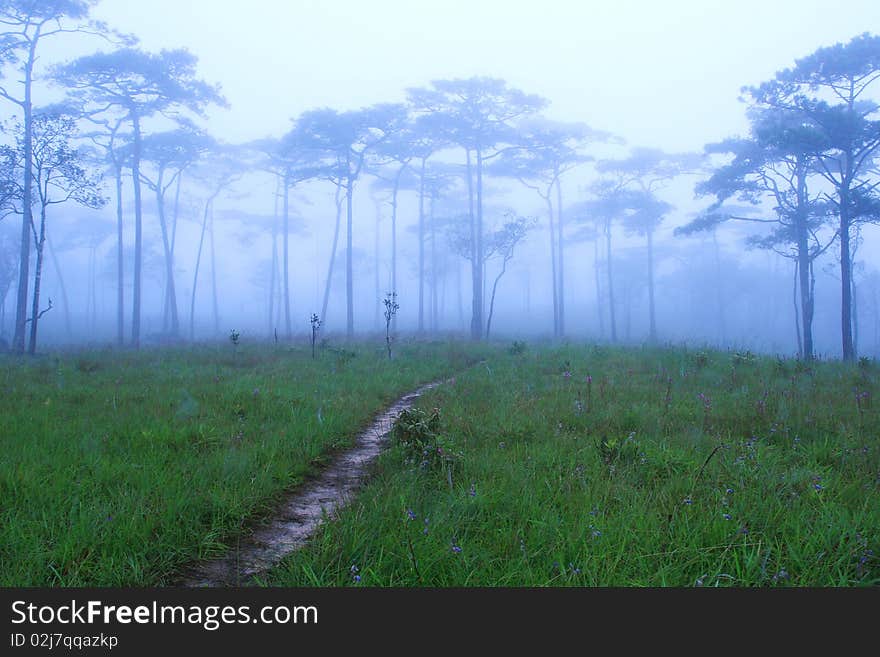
[597,106]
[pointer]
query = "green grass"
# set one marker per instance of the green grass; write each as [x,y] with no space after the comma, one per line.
[117,468]
[772,478]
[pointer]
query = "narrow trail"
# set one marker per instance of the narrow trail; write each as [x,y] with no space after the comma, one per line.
[300,514]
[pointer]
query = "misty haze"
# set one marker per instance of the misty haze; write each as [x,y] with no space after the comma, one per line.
[619,256]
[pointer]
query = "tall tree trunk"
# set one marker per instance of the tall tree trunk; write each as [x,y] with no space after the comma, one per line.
[168,291]
[797,319]
[349,269]
[215,304]
[377,287]
[475,264]
[285,240]
[394,194]
[433,232]
[138,232]
[274,266]
[329,278]
[477,322]
[27,217]
[192,304]
[719,288]
[599,311]
[494,290]
[554,269]
[38,276]
[846,282]
[560,243]
[652,316]
[855,316]
[611,309]
[459,296]
[170,294]
[422,247]
[120,269]
[64,299]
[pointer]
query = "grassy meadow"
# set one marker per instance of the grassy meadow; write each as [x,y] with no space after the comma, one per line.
[542,465]
[583,466]
[118,468]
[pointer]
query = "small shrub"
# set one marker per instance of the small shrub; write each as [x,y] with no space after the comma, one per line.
[517,348]
[416,431]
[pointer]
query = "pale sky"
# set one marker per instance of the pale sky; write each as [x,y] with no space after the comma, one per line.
[663,74]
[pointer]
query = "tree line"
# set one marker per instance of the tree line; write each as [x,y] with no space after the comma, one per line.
[805,176]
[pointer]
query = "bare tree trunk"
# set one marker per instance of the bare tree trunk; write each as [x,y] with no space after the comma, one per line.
[849,352]
[477,304]
[553,267]
[192,304]
[120,269]
[349,269]
[170,293]
[38,276]
[394,193]
[610,282]
[422,248]
[376,284]
[138,233]
[599,310]
[214,276]
[652,317]
[797,321]
[64,300]
[560,243]
[285,239]
[855,316]
[27,217]
[274,265]
[433,231]
[719,288]
[494,290]
[332,254]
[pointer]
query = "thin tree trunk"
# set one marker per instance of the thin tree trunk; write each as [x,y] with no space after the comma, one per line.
[477,320]
[170,293]
[458,295]
[274,266]
[38,276]
[855,316]
[120,269]
[560,243]
[214,276]
[846,287]
[554,271]
[138,233]
[422,248]
[329,279]
[432,228]
[285,240]
[652,317]
[376,284]
[719,287]
[349,269]
[610,282]
[64,300]
[394,194]
[599,310]
[192,304]
[27,217]
[797,321]
[494,290]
